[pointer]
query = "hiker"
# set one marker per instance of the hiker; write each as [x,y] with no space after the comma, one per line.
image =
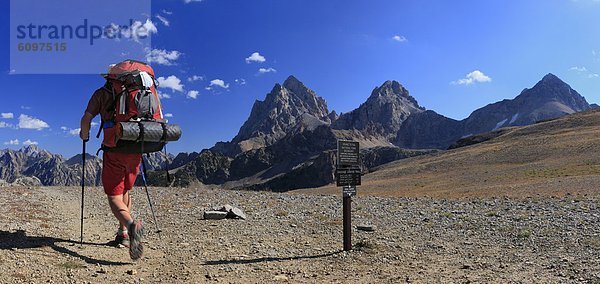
[132,124]
[119,170]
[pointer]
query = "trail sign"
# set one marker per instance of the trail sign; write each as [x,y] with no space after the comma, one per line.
[348,176]
[349,191]
[348,153]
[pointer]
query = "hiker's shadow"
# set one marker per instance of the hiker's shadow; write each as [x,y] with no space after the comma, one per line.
[20,240]
[267,259]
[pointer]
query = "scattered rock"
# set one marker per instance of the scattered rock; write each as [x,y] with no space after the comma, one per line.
[131,272]
[366,228]
[236,213]
[214,215]
[225,208]
[229,211]
[282,278]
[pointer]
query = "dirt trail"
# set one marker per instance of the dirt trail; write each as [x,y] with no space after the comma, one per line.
[297,238]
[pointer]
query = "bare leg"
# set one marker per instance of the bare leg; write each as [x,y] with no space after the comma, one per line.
[127,201]
[120,209]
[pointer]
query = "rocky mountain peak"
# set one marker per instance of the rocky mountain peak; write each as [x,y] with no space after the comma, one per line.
[552,89]
[281,111]
[391,87]
[33,151]
[29,149]
[551,78]
[77,159]
[390,90]
[549,98]
[292,83]
[383,112]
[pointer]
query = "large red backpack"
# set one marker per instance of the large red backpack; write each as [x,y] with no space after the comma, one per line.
[135,98]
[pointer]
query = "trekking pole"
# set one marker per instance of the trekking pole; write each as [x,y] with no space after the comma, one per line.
[158,230]
[82,189]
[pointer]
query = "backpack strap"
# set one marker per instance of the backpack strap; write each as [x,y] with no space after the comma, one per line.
[100,129]
[113,105]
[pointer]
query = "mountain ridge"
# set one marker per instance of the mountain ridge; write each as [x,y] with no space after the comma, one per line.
[292,132]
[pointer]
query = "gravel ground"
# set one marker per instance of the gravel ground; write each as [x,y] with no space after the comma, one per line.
[298,238]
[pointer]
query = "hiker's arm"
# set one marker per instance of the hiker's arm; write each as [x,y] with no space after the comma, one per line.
[86,122]
[92,109]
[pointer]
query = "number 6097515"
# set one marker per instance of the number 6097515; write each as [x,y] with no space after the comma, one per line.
[42,47]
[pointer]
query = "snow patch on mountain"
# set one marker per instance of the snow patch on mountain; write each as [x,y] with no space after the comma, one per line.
[499,124]
[514,118]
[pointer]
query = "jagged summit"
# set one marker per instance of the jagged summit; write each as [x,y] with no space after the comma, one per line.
[552,90]
[285,107]
[390,89]
[394,86]
[292,82]
[551,78]
[30,148]
[383,112]
[33,151]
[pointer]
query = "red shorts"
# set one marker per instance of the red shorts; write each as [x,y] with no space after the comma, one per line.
[119,171]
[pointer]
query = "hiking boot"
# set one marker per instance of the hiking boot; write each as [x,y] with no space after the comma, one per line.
[136,232]
[120,241]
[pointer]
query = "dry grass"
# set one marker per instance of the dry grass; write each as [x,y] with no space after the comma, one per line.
[550,159]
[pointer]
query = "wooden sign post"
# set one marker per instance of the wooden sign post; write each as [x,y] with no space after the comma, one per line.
[348,176]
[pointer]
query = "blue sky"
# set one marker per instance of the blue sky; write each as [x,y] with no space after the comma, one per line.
[340,49]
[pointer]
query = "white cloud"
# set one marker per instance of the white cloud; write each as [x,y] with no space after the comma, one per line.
[94,124]
[163,20]
[171,82]
[5,125]
[578,69]
[190,1]
[25,107]
[162,56]
[29,142]
[255,57]
[168,115]
[28,122]
[12,142]
[75,132]
[162,95]
[240,81]
[473,77]
[195,78]
[137,30]
[266,70]
[147,29]
[585,72]
[399,38]
[193,94]
[7,115]
[219,83]
[167,12]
